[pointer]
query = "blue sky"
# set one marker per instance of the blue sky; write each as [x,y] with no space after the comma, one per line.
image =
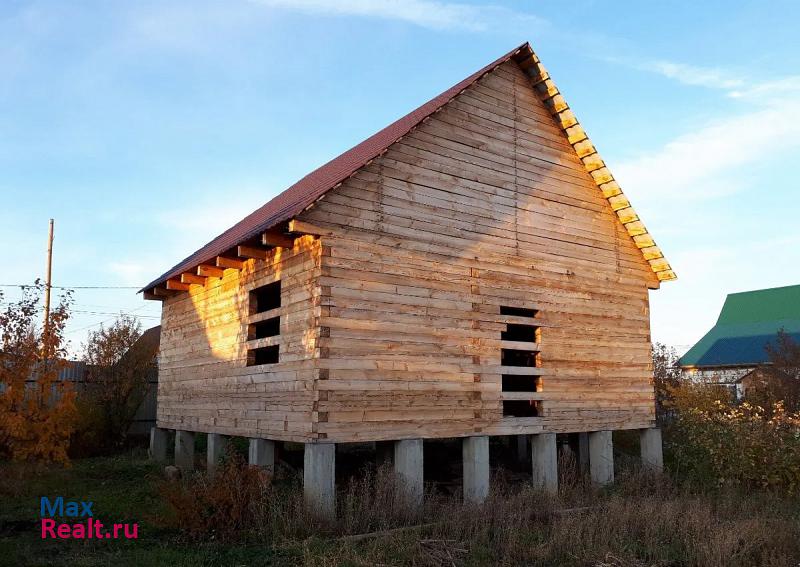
[146,128]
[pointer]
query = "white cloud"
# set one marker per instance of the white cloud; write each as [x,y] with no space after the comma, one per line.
[713,244]
[735,84]
[424,13]
[695,164]
[777,89]
[715,78]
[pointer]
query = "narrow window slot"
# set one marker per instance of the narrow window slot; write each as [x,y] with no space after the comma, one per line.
[520,333]
[265,298]
[264,329]
[517,311]
[520,358]
[264,355]
[514,383]
[521,408]
[514,357]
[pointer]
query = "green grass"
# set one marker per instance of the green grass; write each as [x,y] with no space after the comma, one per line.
[123,490]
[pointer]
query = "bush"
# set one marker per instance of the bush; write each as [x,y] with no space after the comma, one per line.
[740,446]
[116,384]
[37,411]
[222,507]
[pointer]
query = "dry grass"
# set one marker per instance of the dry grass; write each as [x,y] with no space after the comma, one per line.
[642,521]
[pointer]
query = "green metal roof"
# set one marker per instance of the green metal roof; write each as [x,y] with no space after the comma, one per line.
[748,322]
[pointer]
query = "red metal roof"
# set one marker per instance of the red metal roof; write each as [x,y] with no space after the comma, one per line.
[311,187]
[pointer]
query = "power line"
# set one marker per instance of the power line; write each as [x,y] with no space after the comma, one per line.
[114,313]
[132,313]
[23,286]
[91,307]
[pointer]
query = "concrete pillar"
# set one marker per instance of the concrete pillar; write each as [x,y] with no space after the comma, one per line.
[158,444]
[651,449]
[522,448]
[601,457]
[215,451]
[544,455]
[319,479]
[184,450]
[409,467]
[262,454]
[475,454]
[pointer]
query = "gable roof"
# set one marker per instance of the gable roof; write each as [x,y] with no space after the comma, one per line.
[747,323]
[313,186]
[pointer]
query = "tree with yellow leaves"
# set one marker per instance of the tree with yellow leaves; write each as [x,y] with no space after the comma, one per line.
[37,411]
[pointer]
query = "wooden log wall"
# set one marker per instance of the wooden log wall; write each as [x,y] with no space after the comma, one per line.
[484,205]
[204,381]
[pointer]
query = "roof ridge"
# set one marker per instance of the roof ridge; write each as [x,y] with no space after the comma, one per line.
[780,287]
[305,192]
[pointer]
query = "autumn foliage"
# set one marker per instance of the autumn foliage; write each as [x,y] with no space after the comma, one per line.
[37,411]
[220,507]
[716,439]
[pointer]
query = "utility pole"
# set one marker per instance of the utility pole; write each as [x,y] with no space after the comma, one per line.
[48,282]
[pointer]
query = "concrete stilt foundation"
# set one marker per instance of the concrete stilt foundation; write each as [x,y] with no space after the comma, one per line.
[319,479]
[408,466]
[544,456]
[475,454]
[215,451]
[651,449]
[158,444]
[184,450]
[601,457]
[261,453]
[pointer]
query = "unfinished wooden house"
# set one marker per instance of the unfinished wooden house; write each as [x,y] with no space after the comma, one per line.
[473,269]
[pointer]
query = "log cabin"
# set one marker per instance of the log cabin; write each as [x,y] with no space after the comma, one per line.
[471,270]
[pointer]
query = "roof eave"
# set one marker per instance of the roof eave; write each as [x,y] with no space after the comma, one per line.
[553,100]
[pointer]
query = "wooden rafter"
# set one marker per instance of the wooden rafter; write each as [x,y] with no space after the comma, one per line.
[251,252]
[163,292]
[192,279]
[300,227]
[275,238]
[207,271]
[177,285]
[232,263]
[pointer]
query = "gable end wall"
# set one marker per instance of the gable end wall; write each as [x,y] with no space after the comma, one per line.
[484,204]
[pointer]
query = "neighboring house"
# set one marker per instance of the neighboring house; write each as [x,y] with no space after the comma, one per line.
[145,417]
[737,345]
[75,371]
[762,378]
[471,270]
